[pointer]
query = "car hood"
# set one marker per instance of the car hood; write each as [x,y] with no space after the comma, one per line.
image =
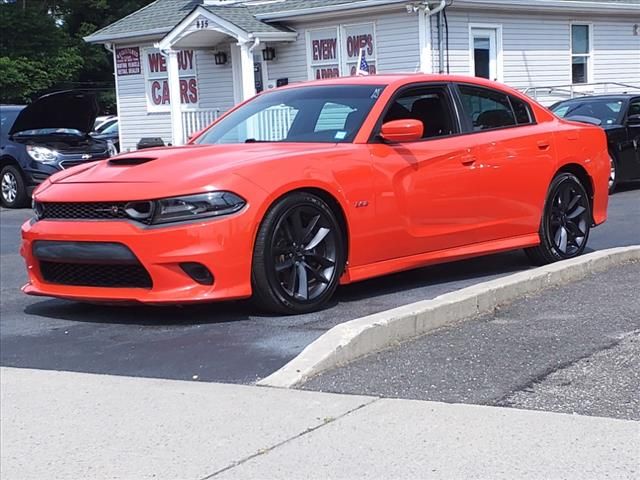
[179,170]
[73,110]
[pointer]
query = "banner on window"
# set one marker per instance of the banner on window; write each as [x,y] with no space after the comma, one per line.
[323,53]
[357,38]
[158,97]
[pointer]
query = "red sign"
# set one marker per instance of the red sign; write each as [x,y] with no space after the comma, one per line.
[128,61]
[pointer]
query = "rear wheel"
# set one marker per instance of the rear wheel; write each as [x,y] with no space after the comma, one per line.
[14,191]
[298,256]
[566,222]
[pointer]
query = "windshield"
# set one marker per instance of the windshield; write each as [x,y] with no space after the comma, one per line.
[102,126]
[111,129]
[605,110]
[326,114]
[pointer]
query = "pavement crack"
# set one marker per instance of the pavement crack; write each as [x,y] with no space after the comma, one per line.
[504,401]
[264,451]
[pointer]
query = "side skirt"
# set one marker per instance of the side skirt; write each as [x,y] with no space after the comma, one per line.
[355,274]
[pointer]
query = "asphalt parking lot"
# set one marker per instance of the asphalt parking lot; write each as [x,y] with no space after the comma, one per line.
[574,348]
[224,342]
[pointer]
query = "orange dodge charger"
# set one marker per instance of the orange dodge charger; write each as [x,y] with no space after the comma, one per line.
[308,186]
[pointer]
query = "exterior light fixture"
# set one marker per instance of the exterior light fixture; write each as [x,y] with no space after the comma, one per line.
[268,54]
[220,58]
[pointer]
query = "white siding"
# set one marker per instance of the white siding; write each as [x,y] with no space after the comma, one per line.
[396,43]
[215,90]
[616,56]
[536,48]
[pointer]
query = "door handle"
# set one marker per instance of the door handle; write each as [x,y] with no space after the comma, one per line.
[468,160]
[543,144]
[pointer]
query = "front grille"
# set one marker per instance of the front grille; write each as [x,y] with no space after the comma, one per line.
[81,211]
[96,275]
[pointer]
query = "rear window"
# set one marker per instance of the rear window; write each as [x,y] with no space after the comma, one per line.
[522,111]
[488,109]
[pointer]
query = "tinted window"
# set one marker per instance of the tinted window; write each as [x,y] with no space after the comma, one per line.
[326,114]
[634,108]
[522,111]
[486,108]
[430,105]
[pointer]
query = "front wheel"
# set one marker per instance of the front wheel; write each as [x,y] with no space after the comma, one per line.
[14,191]
[566,222]
[298,256]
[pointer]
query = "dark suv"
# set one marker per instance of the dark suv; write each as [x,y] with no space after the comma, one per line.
[43,138]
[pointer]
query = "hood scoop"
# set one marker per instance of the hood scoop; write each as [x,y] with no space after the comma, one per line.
[130,161]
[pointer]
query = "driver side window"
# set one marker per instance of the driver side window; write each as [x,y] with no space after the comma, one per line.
[430,105]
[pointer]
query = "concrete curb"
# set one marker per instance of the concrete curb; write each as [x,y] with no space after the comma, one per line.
[350,340]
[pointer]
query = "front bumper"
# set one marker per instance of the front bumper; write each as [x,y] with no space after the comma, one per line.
[223,245]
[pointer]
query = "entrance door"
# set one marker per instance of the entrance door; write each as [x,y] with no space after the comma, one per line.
[484,52]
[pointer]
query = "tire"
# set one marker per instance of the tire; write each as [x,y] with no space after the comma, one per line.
[13,193]
[298,256]
[566,222]
[613,176]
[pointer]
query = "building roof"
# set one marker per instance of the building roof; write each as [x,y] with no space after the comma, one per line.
[242,17]
[161,16]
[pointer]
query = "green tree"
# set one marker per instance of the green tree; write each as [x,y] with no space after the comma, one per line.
[35,53]
[42,46]
[84,17]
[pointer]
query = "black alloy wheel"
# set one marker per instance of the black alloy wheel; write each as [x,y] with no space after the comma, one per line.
[566,221]
[299,255]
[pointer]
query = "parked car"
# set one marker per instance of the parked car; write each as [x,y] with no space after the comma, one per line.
[111,134]
[43,138]
[103,122]
[316,184]
[619,115]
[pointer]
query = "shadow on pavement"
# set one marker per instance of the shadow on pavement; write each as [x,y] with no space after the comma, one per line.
[375,291]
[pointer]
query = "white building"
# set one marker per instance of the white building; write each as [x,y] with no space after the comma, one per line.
[213,54]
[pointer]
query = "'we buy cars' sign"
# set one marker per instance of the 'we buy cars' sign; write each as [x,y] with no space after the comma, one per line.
[158,79]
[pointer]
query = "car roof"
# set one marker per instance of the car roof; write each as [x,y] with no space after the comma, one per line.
[12,107]
[398,78]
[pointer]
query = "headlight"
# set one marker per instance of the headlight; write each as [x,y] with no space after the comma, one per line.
[111,148]
[42,154]
[192,207]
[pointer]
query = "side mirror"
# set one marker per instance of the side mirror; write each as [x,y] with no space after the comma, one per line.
[633,119]
[397,131]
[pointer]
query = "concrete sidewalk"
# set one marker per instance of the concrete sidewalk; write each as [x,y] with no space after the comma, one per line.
[59,425]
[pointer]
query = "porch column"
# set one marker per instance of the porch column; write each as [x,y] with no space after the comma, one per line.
[424,34]
[246,71]
[174,95]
